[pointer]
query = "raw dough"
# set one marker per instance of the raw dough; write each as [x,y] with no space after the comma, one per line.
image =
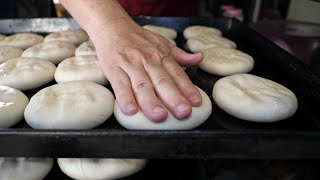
[225,61]
[202,42]
[141,122]
[26,73]
[162,31]
[86,48]
[100,169]
[253,98]
[9,52]
[54,51]
[12,105]
[80,68]
[22,40]
[24,168]
[70,105]
[196,30]
[74,36]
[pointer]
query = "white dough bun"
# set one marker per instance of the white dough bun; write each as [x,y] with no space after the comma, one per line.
[197,30]
[22,40]
[24,168]
[77,68]
[253,98]
[162,31]
[26,73]
[139,121]
[202,42]
[12,105]
[9,52]
[54,51]
[225,61]
[70,105]
[86,49]
[100,169]
[74,36]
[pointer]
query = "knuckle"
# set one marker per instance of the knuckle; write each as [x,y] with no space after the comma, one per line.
[142,85]
[163,80]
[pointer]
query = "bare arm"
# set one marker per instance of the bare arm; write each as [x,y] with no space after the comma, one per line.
[141,66]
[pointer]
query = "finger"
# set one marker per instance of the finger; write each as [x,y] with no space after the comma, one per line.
[145,95]
[183,82]
[167,90]
[184,58]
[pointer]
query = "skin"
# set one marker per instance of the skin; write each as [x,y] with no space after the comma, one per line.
[142,67]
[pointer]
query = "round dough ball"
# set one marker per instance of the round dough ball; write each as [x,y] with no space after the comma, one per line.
[9,52]
[2,36]
[162,31]
[172,41]
[54,51]
[196,30]
[253,98]
[202,42]
[74,36]
[26,73]
[70,105]
[225,61]
[139,121]
[80,68]
[85,49]
[100,169]
[24,168]
[12,105]
[22,40]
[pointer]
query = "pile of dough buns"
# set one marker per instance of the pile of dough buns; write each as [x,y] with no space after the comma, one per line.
[80,98]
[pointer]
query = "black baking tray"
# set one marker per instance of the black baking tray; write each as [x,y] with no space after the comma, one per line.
[221,136]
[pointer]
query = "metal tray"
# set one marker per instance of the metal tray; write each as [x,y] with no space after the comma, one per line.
[221,136]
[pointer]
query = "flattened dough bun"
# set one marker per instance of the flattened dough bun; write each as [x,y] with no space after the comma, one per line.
[24,168]
[202,42]
[54,51]
[139,121]
[197,30]
[162,31]
[12,105]
[80,68]
[9,52]
[100,169]
[225,61]
[26,73]
[70,105]
[22,40]
[74,36]
[253,98]
[85,49]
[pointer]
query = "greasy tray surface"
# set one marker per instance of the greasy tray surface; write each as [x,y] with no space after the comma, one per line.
[222,136]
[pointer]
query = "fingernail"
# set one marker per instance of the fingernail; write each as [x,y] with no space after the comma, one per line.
[183,107]
[158,109]
[131,108]
[195,99]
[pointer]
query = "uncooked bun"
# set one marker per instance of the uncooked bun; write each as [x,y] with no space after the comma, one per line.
[24,168]
[9,52]
[225,61]
[140,122]
[162,31]
[54,51]
[196,30]
[80,68]
[22,40]
[26,73]
[12,105]
[74,36]
[85,49]
[70,105]
[100,169]
[202,42]
[253,98]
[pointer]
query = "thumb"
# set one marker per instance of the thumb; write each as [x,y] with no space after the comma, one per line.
[186,59]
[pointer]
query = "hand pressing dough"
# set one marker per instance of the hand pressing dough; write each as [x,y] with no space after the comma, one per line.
[85,49]
[70,105]
[12,105]
[80,68]
[26,73]
[22,40]
[253,98]
[139,121]
[24,168]
[100,169]
[9,52]
[202,42]
[2,36]
[162,31]
[54,51]
[74,36]
[225,61]
[196,30]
